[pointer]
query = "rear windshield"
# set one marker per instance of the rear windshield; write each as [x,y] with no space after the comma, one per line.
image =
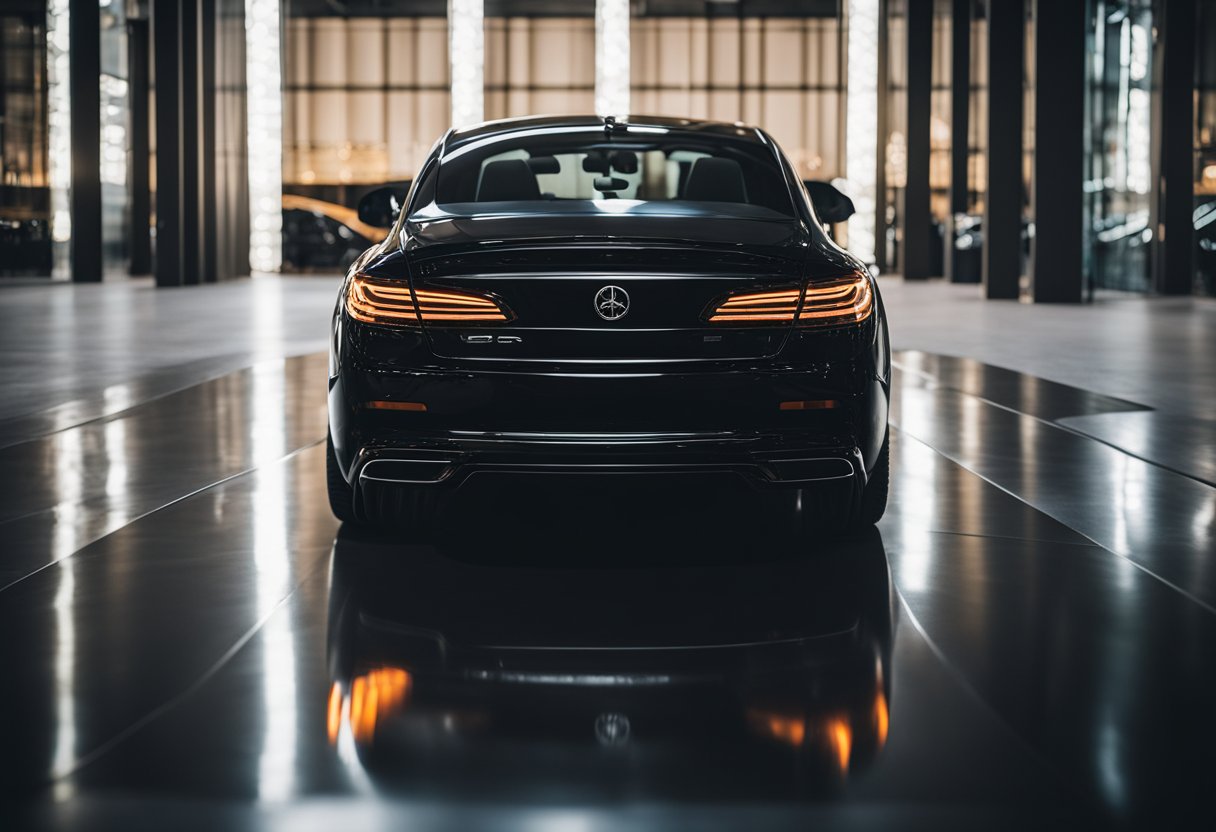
[533,172]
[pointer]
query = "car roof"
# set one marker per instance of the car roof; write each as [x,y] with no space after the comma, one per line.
[540,124]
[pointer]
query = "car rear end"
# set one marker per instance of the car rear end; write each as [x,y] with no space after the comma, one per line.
[563,339]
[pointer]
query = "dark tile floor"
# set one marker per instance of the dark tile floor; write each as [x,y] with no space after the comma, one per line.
[1027,640]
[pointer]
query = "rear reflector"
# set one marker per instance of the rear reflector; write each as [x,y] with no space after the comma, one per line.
[815,404]
[417,407]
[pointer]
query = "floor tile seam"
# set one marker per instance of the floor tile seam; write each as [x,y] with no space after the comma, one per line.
[935,383]
[108,745]
[196,492]
[126,411]
[1146,570]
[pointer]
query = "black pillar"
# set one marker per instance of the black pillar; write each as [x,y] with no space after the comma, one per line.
[140,151]
[1174,55]
[1003,190]
[166,47]
[84,78]
[208,270]
[960,110]
[1059,110]
[915,248]
[191,220]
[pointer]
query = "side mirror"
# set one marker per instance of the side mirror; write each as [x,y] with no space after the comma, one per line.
[379,208]
[830,204]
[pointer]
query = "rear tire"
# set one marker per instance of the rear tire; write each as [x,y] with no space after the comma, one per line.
[341,495]
[874,496]
[832,513]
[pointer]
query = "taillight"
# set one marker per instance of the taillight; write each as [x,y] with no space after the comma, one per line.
[375,301]
[847,300]
[837,303]
[757,307]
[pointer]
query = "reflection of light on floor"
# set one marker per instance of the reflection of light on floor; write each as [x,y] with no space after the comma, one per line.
[1127,499]
[118,501]
[1201,526]
[69,471]
[917,489]
[1028,439]
[272,561]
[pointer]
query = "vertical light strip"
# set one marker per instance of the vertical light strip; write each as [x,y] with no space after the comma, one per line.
[612,57]
[59,117]
[265,134]
[466,57]
[861,123]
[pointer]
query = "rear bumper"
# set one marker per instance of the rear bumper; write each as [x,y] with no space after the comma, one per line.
[392,470]
[449,460]
[468,425]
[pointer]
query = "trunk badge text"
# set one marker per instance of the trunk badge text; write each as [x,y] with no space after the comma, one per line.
[611,303]
[490,339]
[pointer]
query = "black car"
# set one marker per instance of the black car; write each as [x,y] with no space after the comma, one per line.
[577,295]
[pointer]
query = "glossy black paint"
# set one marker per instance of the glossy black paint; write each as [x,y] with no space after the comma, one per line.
[660,387]
[786,699]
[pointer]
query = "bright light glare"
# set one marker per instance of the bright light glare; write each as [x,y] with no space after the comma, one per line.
[466,56]
[59,120]
[612,57]
[861,114]
[265,134]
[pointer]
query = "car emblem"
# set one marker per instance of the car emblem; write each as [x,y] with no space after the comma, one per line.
[612,729]
[611,303]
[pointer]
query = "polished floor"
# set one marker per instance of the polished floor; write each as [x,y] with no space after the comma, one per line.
[1027,640]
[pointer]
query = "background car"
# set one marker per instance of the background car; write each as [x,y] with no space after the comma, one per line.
[320,235]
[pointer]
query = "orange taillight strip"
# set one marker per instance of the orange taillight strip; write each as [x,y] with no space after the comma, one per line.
[833,304]
[373,301]
[457,306]
[775,307]
[837,303]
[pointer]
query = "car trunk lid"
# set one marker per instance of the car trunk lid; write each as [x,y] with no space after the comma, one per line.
[628,296]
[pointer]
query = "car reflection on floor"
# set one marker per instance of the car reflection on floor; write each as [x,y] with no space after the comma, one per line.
[511,664]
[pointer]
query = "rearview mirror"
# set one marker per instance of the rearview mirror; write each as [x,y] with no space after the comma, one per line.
[610,183]
[831,205]
[380,207]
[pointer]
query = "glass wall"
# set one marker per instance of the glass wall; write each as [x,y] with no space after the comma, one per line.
[365,98]
[114,130]
[540,64]
[25,196]
[782,73]
[1119,187]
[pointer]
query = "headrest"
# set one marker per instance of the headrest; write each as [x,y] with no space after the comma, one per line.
[716,180]
[507,180]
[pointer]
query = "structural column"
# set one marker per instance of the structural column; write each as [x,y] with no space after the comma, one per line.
[166,50]
[190,101]
[84,36]
[1004,189]
[1059,113]
[140,151]
[960,109]
[209,246]
[915,255]
[1174,59]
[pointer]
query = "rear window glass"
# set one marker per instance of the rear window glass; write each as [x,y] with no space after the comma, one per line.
[531,172]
